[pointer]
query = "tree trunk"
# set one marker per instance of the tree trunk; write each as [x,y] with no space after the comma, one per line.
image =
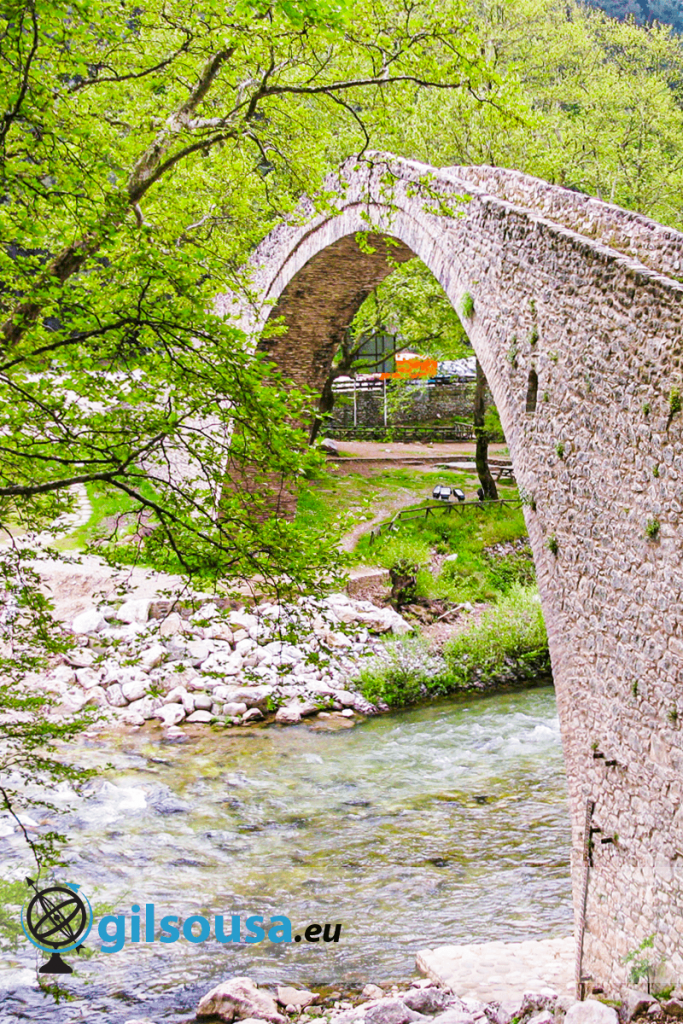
[325,406]
[488,484]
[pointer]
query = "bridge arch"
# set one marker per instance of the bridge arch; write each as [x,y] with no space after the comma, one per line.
[582,299]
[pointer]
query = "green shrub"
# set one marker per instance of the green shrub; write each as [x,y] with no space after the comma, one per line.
[511,634]
[404,673]
[467,306]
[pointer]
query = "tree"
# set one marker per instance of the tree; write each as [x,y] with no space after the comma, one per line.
[488,485]
[143,152]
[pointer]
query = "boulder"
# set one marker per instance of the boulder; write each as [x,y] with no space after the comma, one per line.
[329,446]
[299,998]
[428,1000]
[202,701]
[171,625]
[199,650]
[373,992]
[391,1011]
[170,714]
[136,610]
[90,621]
[179,695]
[234,708]
[115,696]
[239,999]
[134,689]
[95,697]
[153,656]
[591,1011]
[88,677]
[252,715]
[200,716]
[145,707]
[454,1016]
[289,714]
[225,664]
[673,1007]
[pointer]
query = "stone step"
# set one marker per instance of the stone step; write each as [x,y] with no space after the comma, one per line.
[502,970]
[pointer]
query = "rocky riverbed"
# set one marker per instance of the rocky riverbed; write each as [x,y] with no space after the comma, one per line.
[143,659]
[240,999]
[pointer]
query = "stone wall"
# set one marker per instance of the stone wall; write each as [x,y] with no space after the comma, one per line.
[582,309]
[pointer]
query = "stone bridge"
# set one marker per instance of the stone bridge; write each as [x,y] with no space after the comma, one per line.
[573,307]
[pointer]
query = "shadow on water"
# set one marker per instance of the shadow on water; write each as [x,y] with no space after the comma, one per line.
[444,824]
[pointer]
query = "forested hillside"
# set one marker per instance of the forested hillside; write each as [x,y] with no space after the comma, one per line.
[668,12]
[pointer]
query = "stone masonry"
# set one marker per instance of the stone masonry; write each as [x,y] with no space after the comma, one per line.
[574,302]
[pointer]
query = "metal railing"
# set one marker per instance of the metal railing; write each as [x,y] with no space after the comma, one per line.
[404,432]
[424,511]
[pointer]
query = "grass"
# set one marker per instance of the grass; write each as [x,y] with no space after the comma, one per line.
[339,501]
[475,575]
[509,635]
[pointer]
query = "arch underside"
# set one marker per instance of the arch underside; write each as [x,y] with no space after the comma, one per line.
[320,302]
[581,346]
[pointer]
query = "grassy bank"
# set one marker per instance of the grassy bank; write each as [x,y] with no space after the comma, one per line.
[452,552]
[505,647]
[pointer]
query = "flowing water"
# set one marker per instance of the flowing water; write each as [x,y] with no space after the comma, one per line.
[445,824]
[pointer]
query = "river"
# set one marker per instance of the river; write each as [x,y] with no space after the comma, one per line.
[443,824]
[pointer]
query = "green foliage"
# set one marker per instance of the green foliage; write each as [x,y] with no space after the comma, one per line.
[646,408]
[31,738]
[655,470]
[492,424]
[477,574]
[652,528]
[643,962]
[533,337]
[672,714]
[512,353]
[552,545]
[511,632]
[467,306]
[674,402]
[559,449]
[405,673]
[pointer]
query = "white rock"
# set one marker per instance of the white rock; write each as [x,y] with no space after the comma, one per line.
[289,714]
[115,696]
[233,709]
[199,650]
[591,1011]
[239,999]
[171,625]
[180,695]
[252,715]
[88,677]
[152,656]
[132,718]
[207,611]
[90,621]
[219,631]
[200,716]
[230,665]
[133,689]
[245,646]
[144,707]
[346,713]
[136,610]
[170,714]
[202,701]
[63,674]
